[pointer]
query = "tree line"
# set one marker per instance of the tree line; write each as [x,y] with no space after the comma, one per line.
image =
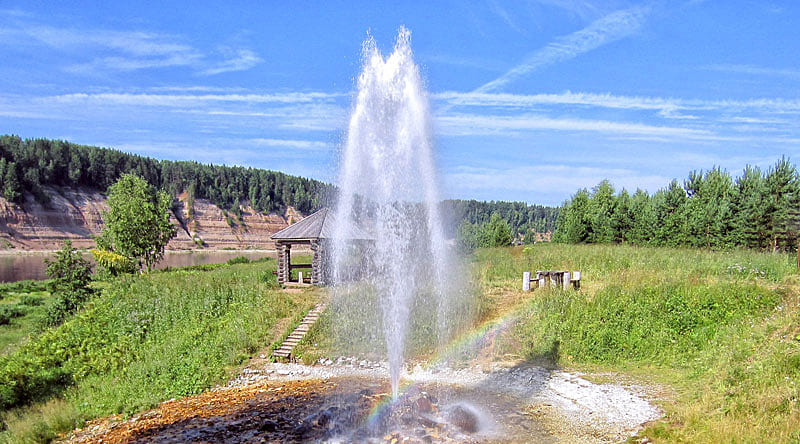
[520,216]
[758,209]
[32,164]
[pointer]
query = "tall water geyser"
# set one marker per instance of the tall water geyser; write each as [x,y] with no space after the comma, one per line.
[388,186]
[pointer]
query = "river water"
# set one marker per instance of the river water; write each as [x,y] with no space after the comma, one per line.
[24,265]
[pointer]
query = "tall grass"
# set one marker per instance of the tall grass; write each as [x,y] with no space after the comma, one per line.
[722,327]
[149,338]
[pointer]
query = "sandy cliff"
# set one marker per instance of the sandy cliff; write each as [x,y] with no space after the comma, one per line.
[76,214]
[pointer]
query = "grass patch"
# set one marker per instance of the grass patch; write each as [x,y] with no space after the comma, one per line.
[146,339]
[22,316]
[353,323]
[722,328]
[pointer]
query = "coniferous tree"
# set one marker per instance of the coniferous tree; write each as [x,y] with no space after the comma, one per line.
[750,201]
[669,205]
[574,223]
[643,227]
[708,208]
[622,219]
[601,209]
[782,187]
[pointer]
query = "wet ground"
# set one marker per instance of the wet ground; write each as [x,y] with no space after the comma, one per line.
[349,401]
[333,410]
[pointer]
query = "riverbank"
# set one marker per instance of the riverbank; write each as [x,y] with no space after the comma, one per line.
[29,264]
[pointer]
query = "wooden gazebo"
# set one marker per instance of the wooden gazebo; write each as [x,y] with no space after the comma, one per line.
[316,230]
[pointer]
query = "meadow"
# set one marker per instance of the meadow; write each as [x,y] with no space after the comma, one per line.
[720,330]
[142,340]
[717,332]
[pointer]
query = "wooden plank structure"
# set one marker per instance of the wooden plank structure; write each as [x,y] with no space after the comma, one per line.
[553,279]
[288,345]
[316,231]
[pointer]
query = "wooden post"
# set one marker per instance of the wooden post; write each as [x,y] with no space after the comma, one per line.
[316,263]
[576,279]
[540,277]
[287,263]
[526,281]
[553,279]
[565,281]
[300,277]
[284,260]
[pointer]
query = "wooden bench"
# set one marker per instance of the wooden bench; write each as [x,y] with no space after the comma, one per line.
[553,279]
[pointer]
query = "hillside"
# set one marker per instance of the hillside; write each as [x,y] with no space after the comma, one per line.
[75,214]
[51,190]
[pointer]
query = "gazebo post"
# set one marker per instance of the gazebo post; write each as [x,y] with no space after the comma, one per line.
[316,262]
[284,262]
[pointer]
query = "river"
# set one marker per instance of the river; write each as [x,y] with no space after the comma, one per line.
[24,265]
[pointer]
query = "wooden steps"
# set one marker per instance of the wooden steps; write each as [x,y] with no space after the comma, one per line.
[285,350]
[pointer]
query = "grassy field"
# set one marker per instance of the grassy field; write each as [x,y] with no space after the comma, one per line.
[142,340]
[22,310]
[720,328]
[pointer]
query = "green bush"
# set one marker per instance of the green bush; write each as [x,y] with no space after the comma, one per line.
[149,338]
[66,303]
[238,260]
[23,287]
[668,323]
[9,312]
[31,300]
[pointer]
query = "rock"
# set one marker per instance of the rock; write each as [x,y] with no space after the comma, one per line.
[463,418]
[268,426]
[283,372]
[425,421]
[422,404]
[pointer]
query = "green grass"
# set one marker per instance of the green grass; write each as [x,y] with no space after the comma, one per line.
[721,328]
[142,340]
[353,324]
[32,306]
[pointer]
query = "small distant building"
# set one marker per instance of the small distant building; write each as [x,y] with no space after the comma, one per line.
[316,231]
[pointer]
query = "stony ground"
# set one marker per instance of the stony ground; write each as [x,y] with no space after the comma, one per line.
[347,400]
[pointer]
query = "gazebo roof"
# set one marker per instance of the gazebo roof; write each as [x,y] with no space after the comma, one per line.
[319,225]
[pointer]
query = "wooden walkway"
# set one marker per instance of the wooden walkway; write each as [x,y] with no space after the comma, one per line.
[285,350]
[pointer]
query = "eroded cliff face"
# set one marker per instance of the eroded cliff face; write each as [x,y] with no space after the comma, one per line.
[76,214]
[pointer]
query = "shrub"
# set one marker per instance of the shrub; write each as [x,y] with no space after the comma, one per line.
[9,312]
[67,303]
[238,260]
[31,300]
[114,263]
[70,274]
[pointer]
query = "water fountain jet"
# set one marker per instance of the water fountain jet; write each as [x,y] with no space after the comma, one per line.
[387,171]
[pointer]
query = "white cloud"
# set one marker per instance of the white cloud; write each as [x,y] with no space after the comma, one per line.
[181,100]
[241,60]
[613,101]
[793,74]
[548,179]
[474,124]
[129,50]
[602,31]
[302,144]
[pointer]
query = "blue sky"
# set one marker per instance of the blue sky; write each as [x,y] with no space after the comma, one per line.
[532,99]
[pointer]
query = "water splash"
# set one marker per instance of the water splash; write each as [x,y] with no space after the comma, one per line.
[388,184]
